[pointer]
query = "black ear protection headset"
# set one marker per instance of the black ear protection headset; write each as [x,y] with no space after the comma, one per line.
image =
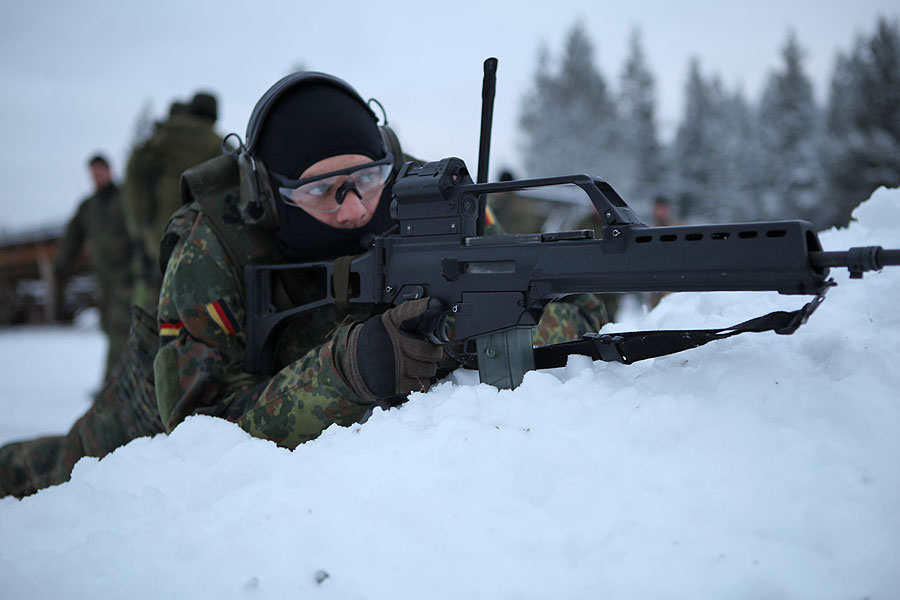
[257,194]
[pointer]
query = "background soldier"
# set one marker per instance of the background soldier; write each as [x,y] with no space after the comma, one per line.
[662,213]
[152,190]
[99,228]
[517,213]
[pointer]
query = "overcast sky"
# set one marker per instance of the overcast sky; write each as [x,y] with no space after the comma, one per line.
[75,74]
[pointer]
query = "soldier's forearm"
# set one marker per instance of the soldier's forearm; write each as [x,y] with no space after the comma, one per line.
[306,397]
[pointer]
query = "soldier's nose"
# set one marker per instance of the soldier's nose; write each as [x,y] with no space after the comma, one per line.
[352,210]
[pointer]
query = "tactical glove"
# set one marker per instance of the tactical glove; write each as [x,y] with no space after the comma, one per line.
[387,355]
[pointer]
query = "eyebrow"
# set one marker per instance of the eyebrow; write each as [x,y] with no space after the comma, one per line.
[317,172]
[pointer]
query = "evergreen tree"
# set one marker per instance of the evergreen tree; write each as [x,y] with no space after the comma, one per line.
[864,120]
[568,120]
[790,136]
[643,179]
[695,148]
[739,162]
[714,155]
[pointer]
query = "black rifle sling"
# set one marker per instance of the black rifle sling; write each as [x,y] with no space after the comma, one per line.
[630,347]
[341,279]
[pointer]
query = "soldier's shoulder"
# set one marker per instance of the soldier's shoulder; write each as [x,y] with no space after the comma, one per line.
[211,218]
[199,264]
[212,177]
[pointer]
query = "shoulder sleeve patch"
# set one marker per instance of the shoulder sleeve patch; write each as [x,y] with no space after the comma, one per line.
[222,315]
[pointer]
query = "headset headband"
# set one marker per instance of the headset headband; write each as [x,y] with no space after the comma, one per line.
[264,105]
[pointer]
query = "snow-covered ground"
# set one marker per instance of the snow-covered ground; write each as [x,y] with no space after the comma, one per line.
[761,466]
[50,375]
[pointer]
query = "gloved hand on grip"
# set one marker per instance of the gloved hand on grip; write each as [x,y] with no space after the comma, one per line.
[387,355]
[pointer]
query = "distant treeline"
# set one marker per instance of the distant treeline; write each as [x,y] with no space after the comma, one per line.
[782,155]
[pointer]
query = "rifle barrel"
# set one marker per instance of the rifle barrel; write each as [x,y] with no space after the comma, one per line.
[857,260]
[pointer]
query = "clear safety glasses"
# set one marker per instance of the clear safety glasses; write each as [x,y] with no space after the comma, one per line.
[325,193]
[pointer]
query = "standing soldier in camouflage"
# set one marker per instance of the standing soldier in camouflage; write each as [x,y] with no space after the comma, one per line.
[99,228]
[152,190]
[518,213]
[312,181]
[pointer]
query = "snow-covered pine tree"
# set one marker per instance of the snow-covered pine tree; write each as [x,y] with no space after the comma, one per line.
[694,154]
[739,161]
[567,120]
[712,158]
[643,180]
[863,120]
[790,133]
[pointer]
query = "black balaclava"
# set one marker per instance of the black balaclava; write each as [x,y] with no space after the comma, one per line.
[310,122]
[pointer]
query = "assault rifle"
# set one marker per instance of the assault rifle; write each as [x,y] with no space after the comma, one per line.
[496,287]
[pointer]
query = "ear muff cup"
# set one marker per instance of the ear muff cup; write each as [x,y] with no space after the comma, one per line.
[392,143]
[257,192]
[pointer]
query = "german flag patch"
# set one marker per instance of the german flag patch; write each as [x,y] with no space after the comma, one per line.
[489,217]
[170,328]
[223,316]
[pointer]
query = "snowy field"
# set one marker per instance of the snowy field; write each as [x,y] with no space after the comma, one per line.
[761,466]
[50,376]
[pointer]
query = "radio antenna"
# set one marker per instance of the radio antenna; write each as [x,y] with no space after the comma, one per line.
[488,88]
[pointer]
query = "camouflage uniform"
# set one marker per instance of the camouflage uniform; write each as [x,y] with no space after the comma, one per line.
[518,213]
[199,366]
[98,225]
[152,192]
